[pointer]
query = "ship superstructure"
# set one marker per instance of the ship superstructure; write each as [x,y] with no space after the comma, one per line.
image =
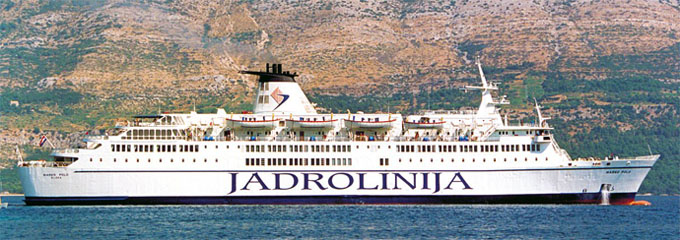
[284,152]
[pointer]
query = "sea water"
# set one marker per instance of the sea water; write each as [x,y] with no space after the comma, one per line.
[659,221]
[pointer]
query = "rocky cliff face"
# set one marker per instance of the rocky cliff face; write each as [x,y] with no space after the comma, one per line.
[128,47]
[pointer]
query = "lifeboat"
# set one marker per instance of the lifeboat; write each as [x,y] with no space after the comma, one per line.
[252,123]
[297,124]
[425,125]
[368,123]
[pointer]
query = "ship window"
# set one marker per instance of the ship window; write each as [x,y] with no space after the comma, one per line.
[148,160]
[247,161]
[174,148]
[205,160]
[160,160]
[137,159]
[114,160]
[90,159]
[196,147]
[172,160]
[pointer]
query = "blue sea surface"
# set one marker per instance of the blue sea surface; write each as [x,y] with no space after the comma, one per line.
[659,221]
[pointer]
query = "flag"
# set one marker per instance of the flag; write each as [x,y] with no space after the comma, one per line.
[43,139]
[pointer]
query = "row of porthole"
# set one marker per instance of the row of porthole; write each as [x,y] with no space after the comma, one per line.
[159,160]
[473,160]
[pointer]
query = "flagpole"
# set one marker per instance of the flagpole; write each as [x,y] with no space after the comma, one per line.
[50,142]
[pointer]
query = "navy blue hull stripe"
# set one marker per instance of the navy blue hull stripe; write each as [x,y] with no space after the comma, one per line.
[572,198]
[343,170]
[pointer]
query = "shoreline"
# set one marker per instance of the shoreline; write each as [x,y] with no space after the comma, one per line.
[11,194]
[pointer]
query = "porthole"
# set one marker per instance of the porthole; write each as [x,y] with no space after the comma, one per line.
[137,159]
[114,160]
[400,160]
[410,160]
[494,160]
[462,160]
[421,160]
[215,146]
[205,160]
[442,160]
[100,160]
[160,160]
[126,160]
[149,160]
[473,160]
[215,159]
[526,159]
[505,159]
[90,159]
[484,160]
[172,160]
[536,159]
[205,146]
[194,160]
[431,160]
[515,159]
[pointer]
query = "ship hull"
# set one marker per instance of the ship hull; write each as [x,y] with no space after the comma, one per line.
[54,186]
[564,198]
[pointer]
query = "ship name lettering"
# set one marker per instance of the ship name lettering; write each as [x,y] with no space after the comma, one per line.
[433,181]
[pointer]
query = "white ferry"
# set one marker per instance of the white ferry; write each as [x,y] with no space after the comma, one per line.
[284,152]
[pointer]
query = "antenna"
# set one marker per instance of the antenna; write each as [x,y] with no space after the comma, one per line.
[21,158]
[650,149]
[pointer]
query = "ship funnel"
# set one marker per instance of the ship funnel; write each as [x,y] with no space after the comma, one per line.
[277,91]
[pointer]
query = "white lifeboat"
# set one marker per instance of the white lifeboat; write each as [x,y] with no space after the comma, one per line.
[298,124]
[424,125]
[368,123]
[252,123]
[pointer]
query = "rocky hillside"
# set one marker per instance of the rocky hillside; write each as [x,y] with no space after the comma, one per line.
[608,70]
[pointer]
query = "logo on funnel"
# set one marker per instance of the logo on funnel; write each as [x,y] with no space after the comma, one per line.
[279,97]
